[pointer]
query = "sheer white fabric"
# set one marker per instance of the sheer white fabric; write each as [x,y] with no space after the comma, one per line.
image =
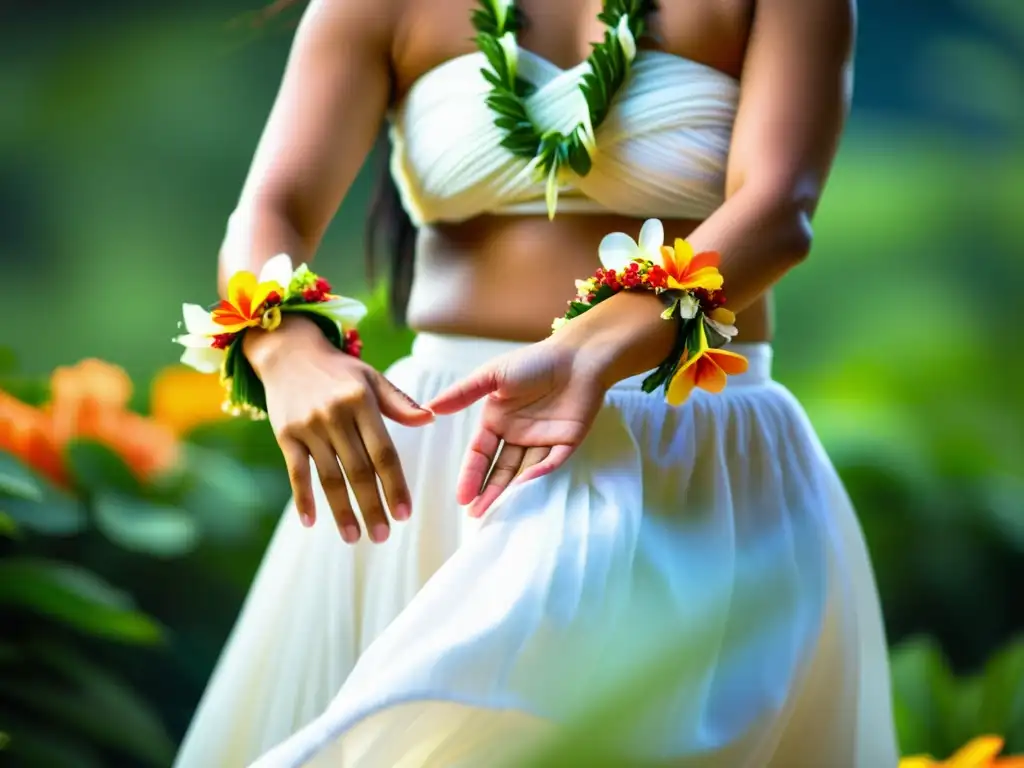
[713,541]
[661,151]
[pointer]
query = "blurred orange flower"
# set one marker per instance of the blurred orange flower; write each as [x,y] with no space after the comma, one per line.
[183,399]
[28,433]
[982,752]
[87,401]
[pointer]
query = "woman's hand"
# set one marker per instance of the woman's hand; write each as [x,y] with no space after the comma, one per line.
[328,405]
[541,402]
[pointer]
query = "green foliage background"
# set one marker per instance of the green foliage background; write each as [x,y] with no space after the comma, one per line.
[124,136]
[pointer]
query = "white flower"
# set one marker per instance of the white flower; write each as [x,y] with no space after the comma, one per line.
[199,332]
[278,270]
[722,322]
[501,9]
[684,303]
[626,39]
[618,249]
[344,311]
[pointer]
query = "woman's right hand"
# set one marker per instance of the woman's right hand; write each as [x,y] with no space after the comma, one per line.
[328,405]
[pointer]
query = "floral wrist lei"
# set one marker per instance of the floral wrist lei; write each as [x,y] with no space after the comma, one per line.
[552,153]
[691,284]
[213,339]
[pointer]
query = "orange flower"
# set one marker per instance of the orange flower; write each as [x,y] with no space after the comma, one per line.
[183,399]
[982,752]
[688,271]
[88,401]
[28,433]
[705,368]
[247,299]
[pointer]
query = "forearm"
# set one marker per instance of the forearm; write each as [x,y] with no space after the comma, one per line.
[254,236]
[760,236]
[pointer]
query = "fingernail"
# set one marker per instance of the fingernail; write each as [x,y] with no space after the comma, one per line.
[350,533]
[401,512]
[380,533]
[306,519]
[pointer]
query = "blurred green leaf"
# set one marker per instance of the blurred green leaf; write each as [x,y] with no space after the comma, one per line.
[18,480]
[94,703]
[924,691]
[1002,703]
[224,494]
[58,514]
[36,745]
[142,526]
[76,597]
[8,528]
[31,390]
[97,468]
[8,361]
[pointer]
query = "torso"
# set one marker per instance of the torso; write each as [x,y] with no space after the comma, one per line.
[507,276]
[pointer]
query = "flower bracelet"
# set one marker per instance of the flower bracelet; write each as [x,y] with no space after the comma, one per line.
[213,338]
[692,286]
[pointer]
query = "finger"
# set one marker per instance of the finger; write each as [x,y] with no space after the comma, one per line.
[362,478]
[386,463]
[466,392]
[506,465]
[335,488]
[398,406]
[497,484]
[300,477]
[558,456]
[477,465]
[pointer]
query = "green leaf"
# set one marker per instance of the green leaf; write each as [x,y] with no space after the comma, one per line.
[36,744]
[1002,688]
[57,514]
[17,480]
[95,703]
[75,597]
[924,689]
[8,528]
[8,361]
[224,494]
[97,468]
[141,526]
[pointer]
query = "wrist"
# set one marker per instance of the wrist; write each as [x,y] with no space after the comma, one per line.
[266,349]
[620,337]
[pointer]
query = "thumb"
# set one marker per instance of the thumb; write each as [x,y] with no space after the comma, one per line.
[466,392]
[398,406]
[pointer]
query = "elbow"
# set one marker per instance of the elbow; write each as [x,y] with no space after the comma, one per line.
[787,211]
[799,235]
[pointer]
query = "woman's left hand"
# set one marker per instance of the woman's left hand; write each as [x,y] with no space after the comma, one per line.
[541,402]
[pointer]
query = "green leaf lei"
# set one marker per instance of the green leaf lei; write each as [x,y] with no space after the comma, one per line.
[496,23]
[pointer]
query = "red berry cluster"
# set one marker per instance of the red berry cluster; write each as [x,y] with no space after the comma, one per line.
[353,343]
[636,275]
[709,301]
[318,292]
[222,340]
[273,299]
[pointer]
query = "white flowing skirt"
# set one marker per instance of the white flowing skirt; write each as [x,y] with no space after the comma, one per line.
[692,588]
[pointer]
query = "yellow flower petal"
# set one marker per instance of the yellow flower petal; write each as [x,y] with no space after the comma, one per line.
[723,316]
[977,753]
[241,287]
[262,291]
[684,252]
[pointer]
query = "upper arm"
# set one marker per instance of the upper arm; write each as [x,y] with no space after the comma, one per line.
[331,104]
[794,97]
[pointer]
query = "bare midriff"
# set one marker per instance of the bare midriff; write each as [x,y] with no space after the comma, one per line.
[507,277]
